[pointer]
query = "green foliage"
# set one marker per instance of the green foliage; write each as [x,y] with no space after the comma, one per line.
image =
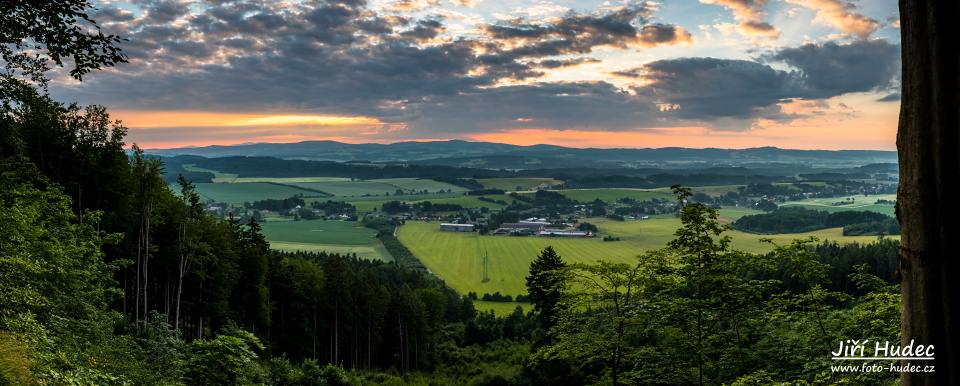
[700,312]
[799,219]
[35,35]
[229,359]
[545,283]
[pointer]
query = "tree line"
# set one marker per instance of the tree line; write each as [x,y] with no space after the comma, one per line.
[800,219]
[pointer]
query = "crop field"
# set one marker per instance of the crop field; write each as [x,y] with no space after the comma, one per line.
[456,257]
[321,235]
[367,204]
[511,183]
[420,184]
[287,180]
[860,202]
[237,193]
[730,213]
[360,188]
[611,195]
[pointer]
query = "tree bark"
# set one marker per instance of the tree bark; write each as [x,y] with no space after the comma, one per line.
[927,199]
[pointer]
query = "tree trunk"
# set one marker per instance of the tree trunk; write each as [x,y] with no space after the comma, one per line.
[929,150]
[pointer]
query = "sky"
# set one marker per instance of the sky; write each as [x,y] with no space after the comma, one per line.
[804,74]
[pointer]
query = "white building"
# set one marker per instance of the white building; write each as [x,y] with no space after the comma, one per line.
[449,227]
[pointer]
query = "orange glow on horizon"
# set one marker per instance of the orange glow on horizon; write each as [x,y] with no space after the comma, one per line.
[166,119]
[854,121]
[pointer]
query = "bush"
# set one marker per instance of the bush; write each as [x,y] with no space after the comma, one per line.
[328,375]
[228,359]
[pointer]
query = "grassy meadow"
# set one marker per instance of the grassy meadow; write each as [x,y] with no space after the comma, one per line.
[611,195]
[238,193]
[861,202]
[322,235]
[512,183]
[456,257]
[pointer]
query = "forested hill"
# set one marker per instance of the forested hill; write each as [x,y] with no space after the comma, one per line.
[498,155]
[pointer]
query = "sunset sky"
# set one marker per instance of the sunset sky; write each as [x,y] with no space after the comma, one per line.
[696,73]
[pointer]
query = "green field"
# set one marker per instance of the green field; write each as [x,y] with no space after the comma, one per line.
[611,195]
[420,184]
[456,257]
[217,176]
[367,204]
[511,183]
[861,202]
[321,235]
[730,214]
[383,187]
[501,308]
[238,193]
[285,180]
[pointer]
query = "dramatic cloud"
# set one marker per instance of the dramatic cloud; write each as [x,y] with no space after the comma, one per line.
[657,34]
[580,105]
[580,34]
[841,15]
[417,74]
[832,69]
[558,63]
[749,15]
[709,88]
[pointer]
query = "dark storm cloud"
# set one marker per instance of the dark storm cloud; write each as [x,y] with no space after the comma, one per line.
[707,88]
[579,34]
[112,15]
[574,105]
[164,11]
[833,69]
[425,30]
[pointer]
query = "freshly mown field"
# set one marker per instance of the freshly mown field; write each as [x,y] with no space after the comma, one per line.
[861,202]
[456,257]
[512,183]
[238,193]
[322,235]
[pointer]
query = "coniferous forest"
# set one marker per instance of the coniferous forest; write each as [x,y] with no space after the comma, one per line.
[111,276]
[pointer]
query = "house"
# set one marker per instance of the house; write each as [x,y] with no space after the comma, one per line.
[450,227]
[533,226]
[563,233]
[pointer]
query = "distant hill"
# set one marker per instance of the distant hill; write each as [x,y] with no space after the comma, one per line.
[489,155]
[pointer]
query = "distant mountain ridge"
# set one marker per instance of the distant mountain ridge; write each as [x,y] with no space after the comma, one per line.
[498,155]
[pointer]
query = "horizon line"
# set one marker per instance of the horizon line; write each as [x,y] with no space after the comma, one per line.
[499,143]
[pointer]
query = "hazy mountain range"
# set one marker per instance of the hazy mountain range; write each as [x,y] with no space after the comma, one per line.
[497,155]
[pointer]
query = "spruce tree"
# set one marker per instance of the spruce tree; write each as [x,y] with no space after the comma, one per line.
[545,283]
